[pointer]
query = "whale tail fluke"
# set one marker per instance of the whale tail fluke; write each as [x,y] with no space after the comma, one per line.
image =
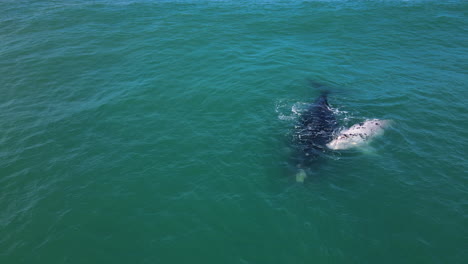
[323,88]
[326,88]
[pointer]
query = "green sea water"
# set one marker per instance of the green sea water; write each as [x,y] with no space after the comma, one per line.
[161,131]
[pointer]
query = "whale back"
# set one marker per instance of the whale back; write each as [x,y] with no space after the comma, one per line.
[316,126]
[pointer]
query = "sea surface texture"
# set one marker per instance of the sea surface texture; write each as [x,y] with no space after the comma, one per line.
[161,132]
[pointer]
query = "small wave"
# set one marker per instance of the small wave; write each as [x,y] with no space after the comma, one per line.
[282,108]
[289,110]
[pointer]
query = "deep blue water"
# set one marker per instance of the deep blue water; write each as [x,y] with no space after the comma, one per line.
[160,132]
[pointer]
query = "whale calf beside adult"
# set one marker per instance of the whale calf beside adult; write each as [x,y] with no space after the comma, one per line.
[317,131]
[358,134]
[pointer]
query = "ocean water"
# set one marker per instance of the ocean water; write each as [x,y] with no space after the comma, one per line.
[160,131]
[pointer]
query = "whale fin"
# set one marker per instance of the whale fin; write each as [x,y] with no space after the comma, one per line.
[301,175]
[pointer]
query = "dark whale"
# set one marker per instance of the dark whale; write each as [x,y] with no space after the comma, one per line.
[314,129]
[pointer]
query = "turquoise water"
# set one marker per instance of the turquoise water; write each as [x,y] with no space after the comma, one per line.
[160,132]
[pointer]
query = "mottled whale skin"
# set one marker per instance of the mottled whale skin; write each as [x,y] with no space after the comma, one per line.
[316,125]
[358,134]
[314,129]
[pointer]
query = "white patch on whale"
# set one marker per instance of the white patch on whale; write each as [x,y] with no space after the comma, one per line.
[358,134]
